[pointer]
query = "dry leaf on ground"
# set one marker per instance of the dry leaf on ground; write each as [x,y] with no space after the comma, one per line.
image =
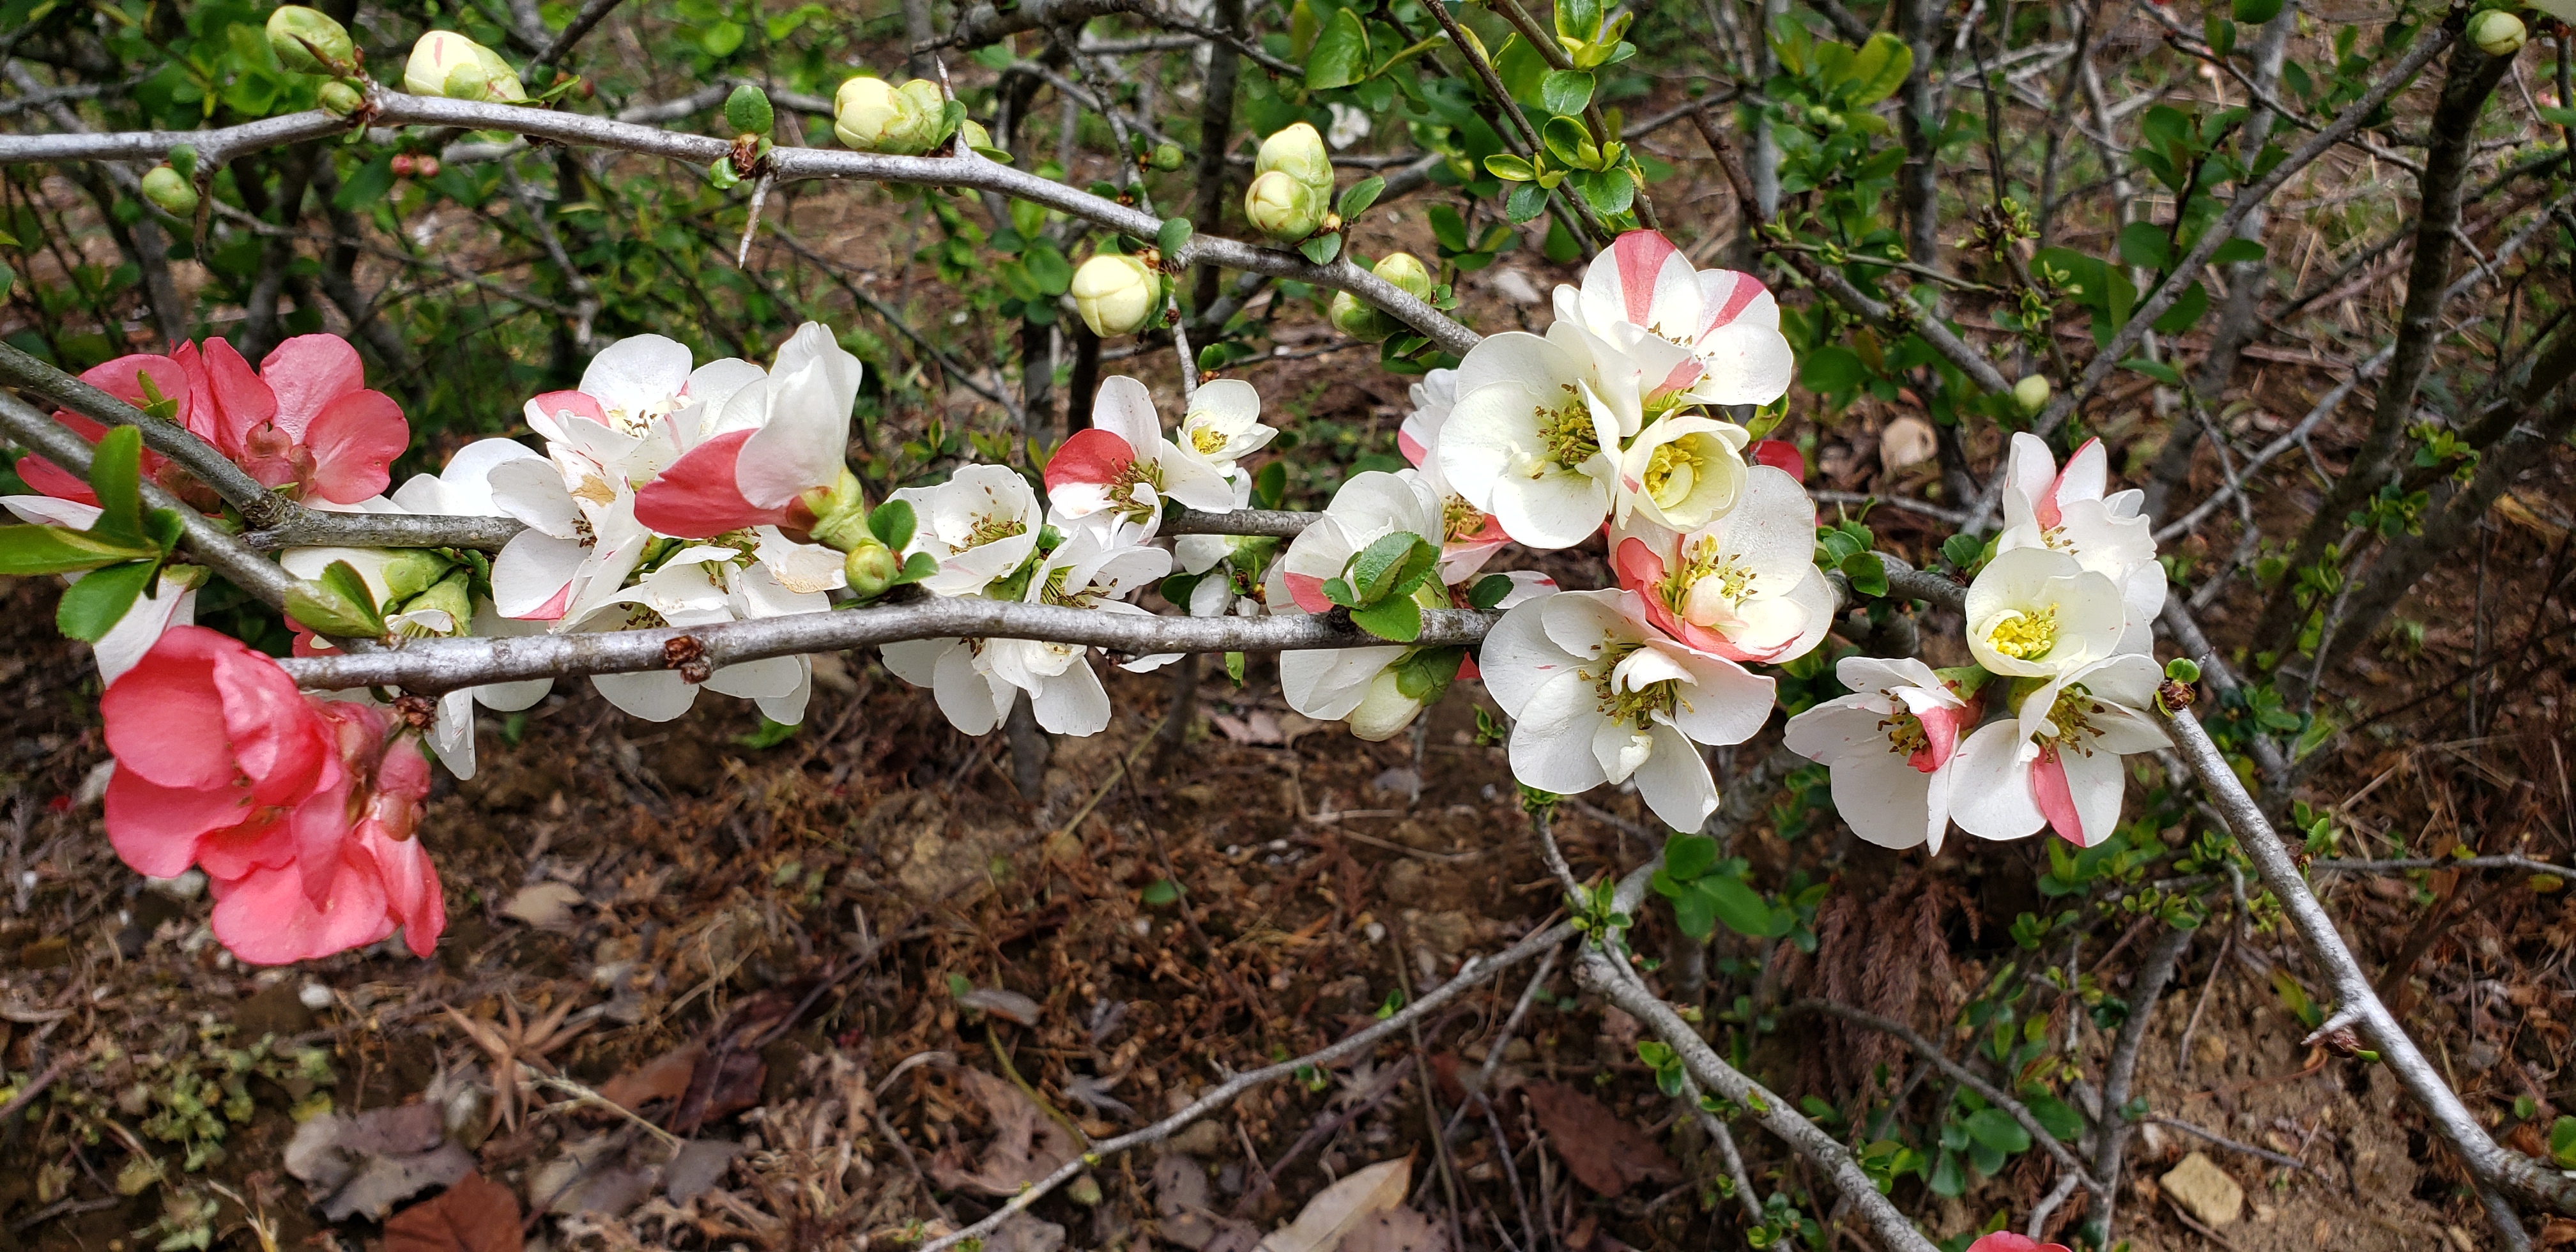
[665,1077]
[1027,1144]
[1396,1230]
[1906,441]
[1338,1208]
[368,1163]
[475,1215]
[546,906]
[1181,1201]
[1001,1003]
[1601,1151]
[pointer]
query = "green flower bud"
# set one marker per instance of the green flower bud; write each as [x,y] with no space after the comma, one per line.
[1279,206]
[1116,294]
[2031,393]
[841,513]
[1367,323]
[338,99]
[411,573]
[307,41]
[1166,156]
[748,111]
[448,64]
[1299,153]
[873,115]
[2497,33]
[164,187]
[447,596]
[1405,271]
[871,567]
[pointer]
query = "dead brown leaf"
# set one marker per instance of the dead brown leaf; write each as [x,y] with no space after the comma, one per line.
[1337,1209]
[1027,1144]
[475,1215]
[1603,1152]
[370,1162]
[665,1077]
[1396,1230]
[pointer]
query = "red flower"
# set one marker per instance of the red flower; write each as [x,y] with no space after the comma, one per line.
[304,421]
[300,810]
[2007,1241]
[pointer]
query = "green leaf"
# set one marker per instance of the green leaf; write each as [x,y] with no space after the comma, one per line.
[1687,857]
[1449,229]
[1160,892]
[892,523]
[94,605]
[1510,169]
[1565,92]
[1740,907]
[2558,116]
[26,550]
[1867,573]
[1048,269]
[723,38]
[1397,618]
[2237,251]
[748,111]
[1578,19]
[2562,1142]
[918,566]
[1489,591]
[2146,244]
[1270,485]
[1694,912]
[1879,68]
[337,603]
[1357,198]
[1322,248]
[1569,143]
[1607,191]
[2055,1116]
[1527,201]
[115,473]
[1375,571]
[1996,1129]
[2186,310]
[1174,236]
[2156,370]
[1341,54]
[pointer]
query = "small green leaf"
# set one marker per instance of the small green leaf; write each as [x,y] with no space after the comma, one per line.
[1740,907]
[1527,201]
[1867,573]
[892,523]
[1174,236]
[1341,54]
[1996,1129]
[1489,591]
[93,606]
[1879,68]
[1397,618]
[1357,198]
[2156,370]
[1374,571]
[2237,251]
[115,473]
[748,111]
[1565,92]
[2186,310]
[1322,248]
[1510,169]
[1687,857]
[2146,244]
[1160,892]
[918,566]
[337,603]
[26,550]
[2055,1116]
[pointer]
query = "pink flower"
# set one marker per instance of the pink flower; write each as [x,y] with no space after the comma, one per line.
[299,809]
[305,421]
[771,445]
[2007,1241]
[1123,465]
[1779,454]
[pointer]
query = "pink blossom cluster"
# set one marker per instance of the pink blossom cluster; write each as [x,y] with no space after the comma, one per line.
[299,809]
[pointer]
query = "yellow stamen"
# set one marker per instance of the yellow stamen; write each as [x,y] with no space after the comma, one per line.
[2025,636]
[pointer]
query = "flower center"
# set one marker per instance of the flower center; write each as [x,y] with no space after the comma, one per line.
[2025,636]
[1672,471]
[1054,592]
[1208,441]
[1567,432]
[1905,733]
[993,528]
[1459,520]
[1138,473]
[1635,706]
[2072,715]
[1701,562]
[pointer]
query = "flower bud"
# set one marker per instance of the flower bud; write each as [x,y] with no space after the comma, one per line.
[307,41]
[425,165]
[871,567]
[448,64]
[1116,294]
[1166,156]
[338,99]
[403,164]
[1365,322]
[448,595]
[1281,207]
[164,187]
[1405,271]
[873,115]
[2496,33]
[2031,393]
[1299,153]
[840,513]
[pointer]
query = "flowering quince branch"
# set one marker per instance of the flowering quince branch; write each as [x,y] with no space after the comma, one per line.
[2495,1168]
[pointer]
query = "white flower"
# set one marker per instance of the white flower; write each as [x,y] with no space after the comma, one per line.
[1223,425]
[976,680]
[700,585]
[979,525]
[1534,440]
[1600,696]
[2057,762]
[2067,511]
[1891,744]
[582,538]
[1369,506]
[1683,471]
[2038,613]
[1229,567]
[1122,465]
[1349,125]
[1744,587]
[1694,336]
[1470,536]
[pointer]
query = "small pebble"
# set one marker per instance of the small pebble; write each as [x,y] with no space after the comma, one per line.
[315,996]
